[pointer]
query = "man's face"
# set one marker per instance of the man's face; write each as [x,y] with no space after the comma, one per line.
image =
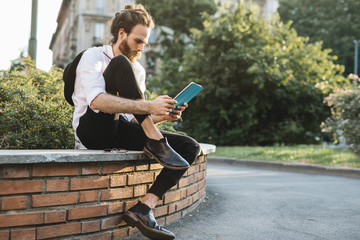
[133,44]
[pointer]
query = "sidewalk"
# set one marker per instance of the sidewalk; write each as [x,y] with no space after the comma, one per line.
[248,203]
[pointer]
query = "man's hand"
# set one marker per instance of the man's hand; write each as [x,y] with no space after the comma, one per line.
[175,114]
[162,105]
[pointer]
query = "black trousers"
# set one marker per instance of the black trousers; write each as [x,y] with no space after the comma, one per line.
[101,131]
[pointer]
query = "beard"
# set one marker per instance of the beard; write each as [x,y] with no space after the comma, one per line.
[125,49]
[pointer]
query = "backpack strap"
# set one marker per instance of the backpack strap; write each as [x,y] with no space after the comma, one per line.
[69,77]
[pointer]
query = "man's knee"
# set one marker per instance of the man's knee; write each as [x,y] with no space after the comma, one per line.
[121,63]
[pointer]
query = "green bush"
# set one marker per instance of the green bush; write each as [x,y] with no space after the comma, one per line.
[259,81]
[345,105]
[33,111]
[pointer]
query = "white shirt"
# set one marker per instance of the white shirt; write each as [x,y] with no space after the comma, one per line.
[89,82]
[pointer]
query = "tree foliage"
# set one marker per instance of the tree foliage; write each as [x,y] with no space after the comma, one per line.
[259,81]
[33,111]
[334,22]
[345,119]
[174,19]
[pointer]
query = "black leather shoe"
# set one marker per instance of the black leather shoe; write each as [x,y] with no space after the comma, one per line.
[146,223]
[162,152]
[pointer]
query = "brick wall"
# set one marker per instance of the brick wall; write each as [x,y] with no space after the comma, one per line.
[86,200]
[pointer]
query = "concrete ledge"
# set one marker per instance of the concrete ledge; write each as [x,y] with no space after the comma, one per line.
[290,167]
[72,155]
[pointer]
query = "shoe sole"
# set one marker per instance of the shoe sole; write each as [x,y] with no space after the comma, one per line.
[147,152]
[133,221]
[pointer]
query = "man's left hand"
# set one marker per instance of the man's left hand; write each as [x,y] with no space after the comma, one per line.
[176,113]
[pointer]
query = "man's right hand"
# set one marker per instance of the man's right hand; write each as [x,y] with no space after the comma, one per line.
[162,105]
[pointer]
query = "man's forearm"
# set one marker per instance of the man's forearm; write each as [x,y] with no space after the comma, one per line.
[157,119]
[112,104]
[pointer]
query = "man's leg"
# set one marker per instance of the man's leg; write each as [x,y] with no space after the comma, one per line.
[131,136]
[120,80]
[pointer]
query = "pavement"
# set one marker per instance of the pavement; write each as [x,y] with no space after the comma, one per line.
[249,203]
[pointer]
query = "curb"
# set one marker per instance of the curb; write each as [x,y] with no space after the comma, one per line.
[289,167]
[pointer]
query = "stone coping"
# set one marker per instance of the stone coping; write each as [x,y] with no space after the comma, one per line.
[73,155]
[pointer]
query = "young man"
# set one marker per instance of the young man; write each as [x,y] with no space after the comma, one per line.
[110,81]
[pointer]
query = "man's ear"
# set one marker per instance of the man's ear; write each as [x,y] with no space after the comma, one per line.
[121,33]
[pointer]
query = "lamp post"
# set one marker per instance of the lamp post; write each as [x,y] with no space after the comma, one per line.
[33,41]
[356,56]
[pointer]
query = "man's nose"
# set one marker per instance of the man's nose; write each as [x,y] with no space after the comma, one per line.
[140,47]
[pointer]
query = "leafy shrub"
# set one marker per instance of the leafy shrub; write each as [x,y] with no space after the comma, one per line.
[33,111]
[345,106]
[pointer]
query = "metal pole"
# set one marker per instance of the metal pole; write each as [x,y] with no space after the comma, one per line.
[33,40]
[356,53]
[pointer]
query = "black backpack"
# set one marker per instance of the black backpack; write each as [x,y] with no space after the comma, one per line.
[69,78]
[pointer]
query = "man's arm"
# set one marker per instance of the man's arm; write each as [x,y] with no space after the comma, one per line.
[113,104]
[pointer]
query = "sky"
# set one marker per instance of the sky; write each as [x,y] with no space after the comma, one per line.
[15,26]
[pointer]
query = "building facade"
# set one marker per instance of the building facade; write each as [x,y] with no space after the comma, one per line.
[84,23]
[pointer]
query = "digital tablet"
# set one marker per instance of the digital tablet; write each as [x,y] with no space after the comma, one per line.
[188,93]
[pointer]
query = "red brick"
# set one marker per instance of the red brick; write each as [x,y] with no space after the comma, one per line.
[142,167]
[183,193]
[58,230]
[120,233]
[101,236]
[182,204]
[110,222]
[16,172]
[55,216]
[203,166]
[89,169]
[87,212]
[199,176]
[172,208]
[91,226]
[172,197]
[139,178]
[173,217]
[89,196]
[23,234]
[139,190]
[117,181]
[89,183]
[116,208]
[117,168]
[201,159]
[193,169]
[161,211]
[11,203]
[55,199]
[57,185]
[156,166]
[4,235]
[21,219]
[42,170]
[184,182]
[191,190]
[117,193]
[14,187]
[130,204]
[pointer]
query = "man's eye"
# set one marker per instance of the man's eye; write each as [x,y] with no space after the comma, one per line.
[139,41]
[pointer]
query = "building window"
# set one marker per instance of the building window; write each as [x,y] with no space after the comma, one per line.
[99,33]
[100,6]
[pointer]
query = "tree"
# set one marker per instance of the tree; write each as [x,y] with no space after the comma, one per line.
[334,22]
[259,81]
[174,19]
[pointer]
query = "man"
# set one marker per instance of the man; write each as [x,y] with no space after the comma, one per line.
[110,81]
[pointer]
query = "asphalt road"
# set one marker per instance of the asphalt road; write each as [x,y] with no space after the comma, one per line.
[246,203]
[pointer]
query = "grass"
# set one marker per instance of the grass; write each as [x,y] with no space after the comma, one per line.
[312,154]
